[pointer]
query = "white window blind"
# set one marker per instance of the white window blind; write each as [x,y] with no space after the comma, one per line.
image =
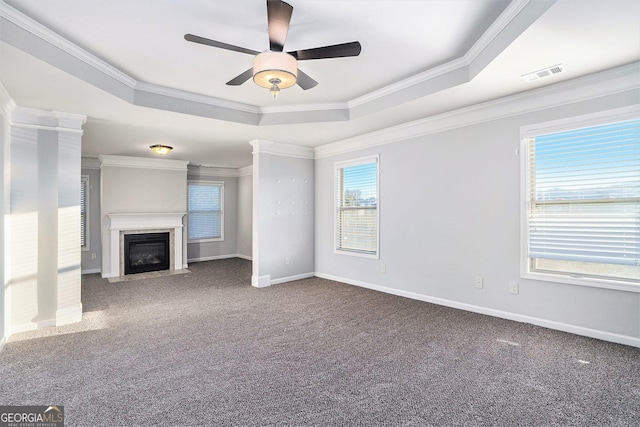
[357,206]
[584,195]
[206,202]
[84,201]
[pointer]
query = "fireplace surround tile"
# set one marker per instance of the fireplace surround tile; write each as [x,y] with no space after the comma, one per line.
[130,223]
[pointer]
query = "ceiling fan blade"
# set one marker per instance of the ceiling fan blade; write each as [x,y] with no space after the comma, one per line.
[237,81]
[209,42]
[304,81]
[278,18]
[334,51]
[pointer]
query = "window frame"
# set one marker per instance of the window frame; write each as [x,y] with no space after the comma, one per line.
[556,126]
[87,203]
[336,219]
[222,210]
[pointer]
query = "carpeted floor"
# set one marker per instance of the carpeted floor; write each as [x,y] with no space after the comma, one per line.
[207,349]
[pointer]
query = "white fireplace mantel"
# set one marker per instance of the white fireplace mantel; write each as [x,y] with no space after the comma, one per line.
[143,221]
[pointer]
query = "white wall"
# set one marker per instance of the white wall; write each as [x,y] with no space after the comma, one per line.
[450,211]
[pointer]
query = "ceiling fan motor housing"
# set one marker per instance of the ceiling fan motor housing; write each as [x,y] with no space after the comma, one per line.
[270,65]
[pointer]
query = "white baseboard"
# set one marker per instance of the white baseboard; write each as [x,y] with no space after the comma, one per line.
[3,341]
[261,281]
[292,278]
[550,324]
[215,257]
[264,281]
[91,271]
[32,326]
[248,258]
[69,315]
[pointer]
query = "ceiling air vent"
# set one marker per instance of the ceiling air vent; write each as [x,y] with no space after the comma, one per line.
[545,72]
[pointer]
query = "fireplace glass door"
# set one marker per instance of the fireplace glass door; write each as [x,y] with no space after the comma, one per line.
[146,252]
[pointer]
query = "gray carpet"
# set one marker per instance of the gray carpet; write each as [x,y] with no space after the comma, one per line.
[207,349]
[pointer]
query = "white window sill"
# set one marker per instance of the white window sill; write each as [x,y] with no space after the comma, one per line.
[220,239]
[619,285]
[357,254]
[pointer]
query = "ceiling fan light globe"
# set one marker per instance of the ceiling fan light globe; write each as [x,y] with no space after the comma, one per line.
[275,65]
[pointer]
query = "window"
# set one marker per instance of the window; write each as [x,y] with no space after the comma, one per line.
[84,212]
[356,204]
[206,205]
[582,216]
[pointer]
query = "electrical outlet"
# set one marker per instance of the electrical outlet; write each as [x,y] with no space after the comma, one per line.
[383,268]
[93,255]
[287,261]
[513,287]
[478,282]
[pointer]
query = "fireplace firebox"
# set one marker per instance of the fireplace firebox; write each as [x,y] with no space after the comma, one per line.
[146,252]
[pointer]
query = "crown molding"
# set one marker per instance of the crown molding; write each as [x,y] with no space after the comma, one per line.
[279,149]
[245,171]
[303,108]
[38,119]
[49,120]
[631,112]
[212,171]
[7,104]
[142,163]
[518,16]
[464,65]
[497,27]
[409,82]
[53,38]
[594,86]
[195,97]
[219,171]
[90,163]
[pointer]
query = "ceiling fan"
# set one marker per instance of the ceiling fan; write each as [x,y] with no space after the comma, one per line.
[276,69]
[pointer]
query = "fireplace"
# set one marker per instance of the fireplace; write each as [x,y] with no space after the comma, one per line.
[124,224]
[146,252]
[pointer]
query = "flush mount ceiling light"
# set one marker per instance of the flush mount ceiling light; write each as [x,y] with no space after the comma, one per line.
[276,69]
[161,149]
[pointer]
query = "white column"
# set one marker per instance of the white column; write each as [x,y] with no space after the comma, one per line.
[44,259]
[260,276]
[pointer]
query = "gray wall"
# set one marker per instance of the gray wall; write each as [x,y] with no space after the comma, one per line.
[203,251]
[130,190]
[237,207]
[283,231]
[139,190]
[245,215]
[92,264]
[450,211]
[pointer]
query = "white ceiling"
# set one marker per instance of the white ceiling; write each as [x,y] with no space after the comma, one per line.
[419,58]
